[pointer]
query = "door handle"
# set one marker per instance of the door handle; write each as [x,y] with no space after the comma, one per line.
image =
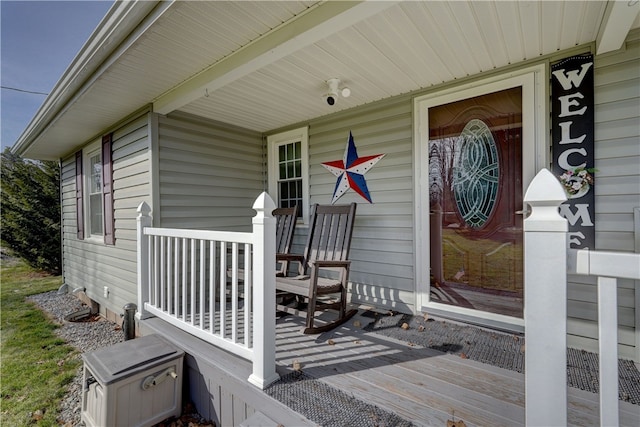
[523,212]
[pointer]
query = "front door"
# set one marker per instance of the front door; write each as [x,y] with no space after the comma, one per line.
[472,165]
[475,197]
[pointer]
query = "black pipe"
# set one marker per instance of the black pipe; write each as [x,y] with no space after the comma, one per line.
[129,321]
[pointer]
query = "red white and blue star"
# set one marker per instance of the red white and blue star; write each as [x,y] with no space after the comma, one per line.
[350,171]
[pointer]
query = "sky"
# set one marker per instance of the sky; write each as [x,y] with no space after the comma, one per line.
[38,41]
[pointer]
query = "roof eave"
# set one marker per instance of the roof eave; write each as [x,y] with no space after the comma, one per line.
[119,22]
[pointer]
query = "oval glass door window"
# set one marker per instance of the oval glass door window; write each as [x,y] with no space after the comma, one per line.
[476,174]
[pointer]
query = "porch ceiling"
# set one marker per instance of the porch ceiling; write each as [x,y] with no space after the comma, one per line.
[263,65]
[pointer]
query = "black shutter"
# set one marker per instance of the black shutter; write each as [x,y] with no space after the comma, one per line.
[107,191]
[79,197]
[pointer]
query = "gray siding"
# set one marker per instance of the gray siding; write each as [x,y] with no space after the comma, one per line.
[617,190]
[383,240]
[93,265]
[210,173]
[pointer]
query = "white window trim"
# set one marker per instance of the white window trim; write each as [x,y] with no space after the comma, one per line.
[273,142]
[535,142]
[86,179]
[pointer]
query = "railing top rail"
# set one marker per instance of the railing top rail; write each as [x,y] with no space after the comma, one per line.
[221,236]
[624,265]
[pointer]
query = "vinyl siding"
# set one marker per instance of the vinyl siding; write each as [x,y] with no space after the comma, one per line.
[210,173]
[382,245]
[90,263]
[617,191]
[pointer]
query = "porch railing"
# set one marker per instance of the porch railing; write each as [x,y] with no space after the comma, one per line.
[547,263]
[218,286]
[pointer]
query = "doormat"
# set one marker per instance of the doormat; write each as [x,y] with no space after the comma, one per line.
[499,349]
[327,406]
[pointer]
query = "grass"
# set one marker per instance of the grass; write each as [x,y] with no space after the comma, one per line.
[36,365]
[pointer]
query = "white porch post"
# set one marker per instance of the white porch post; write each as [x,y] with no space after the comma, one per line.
[545,303]
[608,345]
[264,293]
[143,220]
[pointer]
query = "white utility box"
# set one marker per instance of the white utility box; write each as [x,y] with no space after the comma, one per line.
[133,383]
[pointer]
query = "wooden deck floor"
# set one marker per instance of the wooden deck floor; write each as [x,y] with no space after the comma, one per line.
[422,385]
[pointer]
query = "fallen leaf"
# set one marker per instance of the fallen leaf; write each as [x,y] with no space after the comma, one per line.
[357,342]
[405,326]
[425,316]
[331,342]
[357,324]
[522,348]
[420,328]
[463,356]
[297,366]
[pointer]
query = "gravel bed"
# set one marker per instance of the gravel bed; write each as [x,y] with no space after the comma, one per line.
[85,336]
[89,335]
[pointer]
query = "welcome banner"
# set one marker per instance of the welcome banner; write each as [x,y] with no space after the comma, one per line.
[573,152]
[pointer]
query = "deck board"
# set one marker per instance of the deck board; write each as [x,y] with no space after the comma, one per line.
[422,385]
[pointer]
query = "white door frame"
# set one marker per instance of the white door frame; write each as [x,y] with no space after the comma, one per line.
[535,142]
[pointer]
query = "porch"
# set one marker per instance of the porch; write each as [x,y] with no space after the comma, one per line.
[213,293]
[418,384]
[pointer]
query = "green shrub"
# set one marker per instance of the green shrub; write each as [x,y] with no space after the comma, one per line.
[31,210]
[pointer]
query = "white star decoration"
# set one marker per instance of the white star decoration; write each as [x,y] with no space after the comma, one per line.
[350,171]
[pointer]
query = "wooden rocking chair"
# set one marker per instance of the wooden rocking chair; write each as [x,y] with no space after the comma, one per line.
[285,225]
[327,248]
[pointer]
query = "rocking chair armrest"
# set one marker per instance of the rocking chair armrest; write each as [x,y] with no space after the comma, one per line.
[330,263]
[289,257]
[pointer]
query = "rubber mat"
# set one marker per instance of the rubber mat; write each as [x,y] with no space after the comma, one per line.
[328,406]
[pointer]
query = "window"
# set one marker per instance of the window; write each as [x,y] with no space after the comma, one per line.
[94,184]
[288,170]
[94,196]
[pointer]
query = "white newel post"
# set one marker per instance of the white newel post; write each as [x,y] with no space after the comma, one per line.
[608,346]
[264,293]
[545,303]
[143,220]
